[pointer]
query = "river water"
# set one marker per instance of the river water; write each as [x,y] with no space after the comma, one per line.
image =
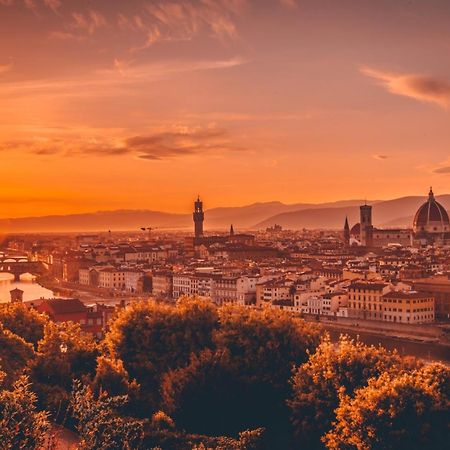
[423,350]
[31,289]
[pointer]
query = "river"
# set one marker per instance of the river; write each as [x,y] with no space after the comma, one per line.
[31,289]
[427,351]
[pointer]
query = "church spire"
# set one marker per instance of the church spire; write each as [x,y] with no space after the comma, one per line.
[346,232]
[231,230]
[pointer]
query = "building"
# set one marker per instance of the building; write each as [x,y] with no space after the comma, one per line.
[431,223]
[181,285]
[92,319]
[365,234]
[199,217]
[408,307]
[16,295]
[365,299]
[366,227]
[431,226]
[133,280]
[335,304]
[234,289]
[111,278]
[439,288]
[346,232]
[201,284]
[162,284]
[273,290]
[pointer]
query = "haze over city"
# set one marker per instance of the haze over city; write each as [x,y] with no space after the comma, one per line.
[144,104]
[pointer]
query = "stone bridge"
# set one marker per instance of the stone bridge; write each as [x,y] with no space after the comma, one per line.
[18,265]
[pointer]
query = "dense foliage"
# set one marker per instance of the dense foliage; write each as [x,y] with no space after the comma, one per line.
[15,355]
[23,321]
[193,376]
[409,410]
[21,425]
[334,369]
[98,423]
[151,338]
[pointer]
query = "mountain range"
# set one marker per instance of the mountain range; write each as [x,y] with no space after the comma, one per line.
[386,213]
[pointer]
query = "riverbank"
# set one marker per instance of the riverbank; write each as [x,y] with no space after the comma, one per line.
[428,343]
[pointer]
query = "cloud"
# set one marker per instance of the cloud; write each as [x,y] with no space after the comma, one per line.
[182,21]
[442,170]
[90,21]
[4,68]
[179,143]
[175,142]
[380,157]
[54,5]
[290,4]
[420,87]
[108,81]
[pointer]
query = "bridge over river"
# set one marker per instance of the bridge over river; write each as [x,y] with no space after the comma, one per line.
[18,265]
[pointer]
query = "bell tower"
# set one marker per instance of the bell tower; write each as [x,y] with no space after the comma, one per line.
[199,217]
[366,225]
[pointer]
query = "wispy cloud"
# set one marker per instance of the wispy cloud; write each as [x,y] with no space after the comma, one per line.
[182,21]
[173,142]
[90,21]
[121,74]
[442,170]
[420,87]
[380,157]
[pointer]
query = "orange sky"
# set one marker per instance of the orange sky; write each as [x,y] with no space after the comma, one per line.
[107,104]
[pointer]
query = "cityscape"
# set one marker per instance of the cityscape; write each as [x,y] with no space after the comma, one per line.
[224,225]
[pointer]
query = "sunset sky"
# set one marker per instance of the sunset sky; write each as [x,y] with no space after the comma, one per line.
[142,104]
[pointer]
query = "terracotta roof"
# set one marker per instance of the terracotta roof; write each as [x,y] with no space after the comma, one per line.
[406,295]
[368,286]
[65,306]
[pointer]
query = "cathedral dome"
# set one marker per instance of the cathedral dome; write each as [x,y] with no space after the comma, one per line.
[431,217]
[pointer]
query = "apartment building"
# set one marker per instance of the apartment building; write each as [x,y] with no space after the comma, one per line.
[408,307]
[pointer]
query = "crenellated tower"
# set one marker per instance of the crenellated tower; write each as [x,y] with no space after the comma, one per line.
[199,217]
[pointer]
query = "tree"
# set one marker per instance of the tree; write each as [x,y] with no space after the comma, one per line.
[265,344]
[23,321]
[205,397]
[21,425]
[244,382]
[15,355]
[111,376]
[410,410]
[65,353]
[152,338]
[99,425]
[333,368]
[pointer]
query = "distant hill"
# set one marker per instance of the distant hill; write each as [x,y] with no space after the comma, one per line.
[390,213]
[98,221]
[242,217]
[247,216]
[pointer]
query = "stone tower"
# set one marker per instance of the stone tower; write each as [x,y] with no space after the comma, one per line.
[366,225]
[199,217]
